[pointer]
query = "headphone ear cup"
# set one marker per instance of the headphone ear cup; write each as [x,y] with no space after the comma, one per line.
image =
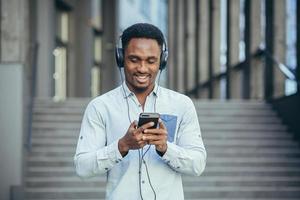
[163,59]
[119,57]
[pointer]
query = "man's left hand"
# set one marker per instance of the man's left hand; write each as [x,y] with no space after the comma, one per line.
[157,137]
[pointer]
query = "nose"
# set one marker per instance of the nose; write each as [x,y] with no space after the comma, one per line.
[142,67]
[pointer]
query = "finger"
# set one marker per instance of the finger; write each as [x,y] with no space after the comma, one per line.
[156,131]
[152,137]
[161,124]
[133,125]
[148,125]
[140,130]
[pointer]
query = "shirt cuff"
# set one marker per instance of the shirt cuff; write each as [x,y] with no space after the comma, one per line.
[110,156]
[171,155]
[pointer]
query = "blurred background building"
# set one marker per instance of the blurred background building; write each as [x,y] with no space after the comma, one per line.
[237,56]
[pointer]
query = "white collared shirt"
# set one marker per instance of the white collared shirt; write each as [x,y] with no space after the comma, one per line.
[107,119]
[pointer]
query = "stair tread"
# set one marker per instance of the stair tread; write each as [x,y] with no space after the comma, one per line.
[251,154]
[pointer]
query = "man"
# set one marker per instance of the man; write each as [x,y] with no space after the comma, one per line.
[140,162]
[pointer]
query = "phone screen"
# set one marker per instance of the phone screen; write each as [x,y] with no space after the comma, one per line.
[144,118]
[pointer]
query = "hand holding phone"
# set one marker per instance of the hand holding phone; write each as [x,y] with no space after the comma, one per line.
[145,118]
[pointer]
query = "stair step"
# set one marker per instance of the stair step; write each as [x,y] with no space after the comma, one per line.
[236,119]
[213,171]
[246,192]
[234,160]
[251,154]
[209,142]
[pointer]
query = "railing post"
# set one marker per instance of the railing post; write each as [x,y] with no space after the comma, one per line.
[32,95]
[228,52]
[280,48]
[247,37]
[298,48]
[269,87]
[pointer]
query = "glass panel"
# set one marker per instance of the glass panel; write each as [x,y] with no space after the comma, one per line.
[95,82]
[60,74]
[97,49]
[96,14]
[63,26]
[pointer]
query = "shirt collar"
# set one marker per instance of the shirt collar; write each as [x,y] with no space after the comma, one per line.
[129,93]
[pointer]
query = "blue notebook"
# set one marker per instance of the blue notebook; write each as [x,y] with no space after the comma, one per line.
[170,121]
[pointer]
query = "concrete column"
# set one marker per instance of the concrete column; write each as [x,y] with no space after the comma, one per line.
[279,46]
[171,44]
[216,41]
[180,47]
[257,70]
[72,61]
[83,48]
[109,72]
[14,31]
[46,41]
[233,50]
[190,45]
[203,51]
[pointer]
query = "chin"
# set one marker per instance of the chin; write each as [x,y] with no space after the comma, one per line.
[141,88]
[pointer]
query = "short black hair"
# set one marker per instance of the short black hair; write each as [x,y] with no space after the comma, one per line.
[142,30]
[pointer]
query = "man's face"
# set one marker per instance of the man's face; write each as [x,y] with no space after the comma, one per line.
[142,58]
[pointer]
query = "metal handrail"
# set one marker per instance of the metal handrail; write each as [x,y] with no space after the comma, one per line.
[283,68]
[288,73]
[32,95]
[237,67]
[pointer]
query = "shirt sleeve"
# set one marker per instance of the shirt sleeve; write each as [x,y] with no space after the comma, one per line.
[188,154]
[92,155]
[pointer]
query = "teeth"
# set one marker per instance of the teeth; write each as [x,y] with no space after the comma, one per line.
[142,76]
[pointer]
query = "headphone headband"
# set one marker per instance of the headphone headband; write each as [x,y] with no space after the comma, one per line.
[119,54]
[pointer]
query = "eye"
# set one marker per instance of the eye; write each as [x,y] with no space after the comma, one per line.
[133,59]
[152,61]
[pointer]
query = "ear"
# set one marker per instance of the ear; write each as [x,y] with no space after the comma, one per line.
[119,57]
[163,59]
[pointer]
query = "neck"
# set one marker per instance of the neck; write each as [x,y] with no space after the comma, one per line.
[141,94]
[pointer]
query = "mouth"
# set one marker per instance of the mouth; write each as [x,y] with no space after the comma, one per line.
[142,78]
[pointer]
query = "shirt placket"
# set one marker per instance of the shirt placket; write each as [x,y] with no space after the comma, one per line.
[145,182]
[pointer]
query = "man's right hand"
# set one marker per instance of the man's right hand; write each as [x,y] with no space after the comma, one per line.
[133,138]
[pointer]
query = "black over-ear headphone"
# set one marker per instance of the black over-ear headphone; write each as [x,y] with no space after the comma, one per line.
[119,54]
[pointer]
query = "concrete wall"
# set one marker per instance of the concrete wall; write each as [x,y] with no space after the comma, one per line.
[11,127]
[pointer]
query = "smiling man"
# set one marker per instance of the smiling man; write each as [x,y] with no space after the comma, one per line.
[141,162]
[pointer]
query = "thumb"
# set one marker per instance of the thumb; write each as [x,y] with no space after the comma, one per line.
[133,125]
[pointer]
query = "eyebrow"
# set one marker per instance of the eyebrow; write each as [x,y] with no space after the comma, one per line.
[136,56]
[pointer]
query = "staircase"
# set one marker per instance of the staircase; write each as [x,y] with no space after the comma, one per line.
[251,155]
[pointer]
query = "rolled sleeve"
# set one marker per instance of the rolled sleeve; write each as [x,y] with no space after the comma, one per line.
[93,156]
[109,156]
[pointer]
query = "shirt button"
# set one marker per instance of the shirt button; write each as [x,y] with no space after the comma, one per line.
[143,181]
[106,168]
[81,137]
[178,167]
[117,161]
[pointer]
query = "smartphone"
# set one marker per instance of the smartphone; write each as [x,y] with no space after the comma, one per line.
[144,118]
